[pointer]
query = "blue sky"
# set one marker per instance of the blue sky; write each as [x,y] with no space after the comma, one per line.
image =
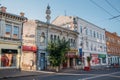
[86,9]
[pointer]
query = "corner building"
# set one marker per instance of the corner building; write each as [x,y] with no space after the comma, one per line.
[113,48]
[10,39]
[90,42]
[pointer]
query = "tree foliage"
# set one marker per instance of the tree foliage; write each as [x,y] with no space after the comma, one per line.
[57,50]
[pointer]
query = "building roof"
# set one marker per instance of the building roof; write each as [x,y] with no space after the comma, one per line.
[61,20]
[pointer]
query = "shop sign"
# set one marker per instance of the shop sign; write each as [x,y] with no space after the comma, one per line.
[102,55]
[29,48]
[71,55]
[95,59]
[80,52]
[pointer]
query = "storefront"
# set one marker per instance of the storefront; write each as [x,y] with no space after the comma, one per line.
[94,59]
[28,57]
[102,58]
[8,58]
[98,59]
[71,59]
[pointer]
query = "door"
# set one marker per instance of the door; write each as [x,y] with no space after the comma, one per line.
[71,62]
[42,61]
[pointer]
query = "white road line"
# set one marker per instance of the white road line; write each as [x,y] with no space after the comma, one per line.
[74,74]
[98,76]
[114,76]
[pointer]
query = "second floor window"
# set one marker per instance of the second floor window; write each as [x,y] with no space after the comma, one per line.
[16,32]
[8,30]
[42,38]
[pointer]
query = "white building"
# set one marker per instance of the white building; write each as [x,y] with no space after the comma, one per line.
[91,39]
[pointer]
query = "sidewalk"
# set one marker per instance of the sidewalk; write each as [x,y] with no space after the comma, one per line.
[4,74]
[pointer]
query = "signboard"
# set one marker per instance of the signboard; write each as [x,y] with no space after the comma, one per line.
[29,48]
[80,52]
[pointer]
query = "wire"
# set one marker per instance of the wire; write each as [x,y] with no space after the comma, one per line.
[112,6]
[114,17]
[103,9]
[114,9]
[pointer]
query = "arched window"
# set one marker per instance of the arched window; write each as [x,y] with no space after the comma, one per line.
[42,37]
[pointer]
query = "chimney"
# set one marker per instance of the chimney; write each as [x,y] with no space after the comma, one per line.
[3,9]
[22,14]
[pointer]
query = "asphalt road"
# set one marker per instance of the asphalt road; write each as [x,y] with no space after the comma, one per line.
[112,74]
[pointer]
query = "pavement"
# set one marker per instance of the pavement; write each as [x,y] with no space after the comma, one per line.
[12,73]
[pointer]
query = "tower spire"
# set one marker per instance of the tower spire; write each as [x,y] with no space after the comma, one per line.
[48,12]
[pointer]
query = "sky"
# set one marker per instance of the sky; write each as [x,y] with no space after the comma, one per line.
[98,12]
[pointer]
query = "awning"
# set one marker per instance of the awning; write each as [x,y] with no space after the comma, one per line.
[71,55]
[29,48]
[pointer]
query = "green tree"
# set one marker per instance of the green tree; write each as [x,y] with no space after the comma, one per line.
[57,51]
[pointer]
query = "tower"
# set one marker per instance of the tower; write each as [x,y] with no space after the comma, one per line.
[48,12]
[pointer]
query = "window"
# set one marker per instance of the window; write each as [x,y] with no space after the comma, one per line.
[42,38]
[80,29]
[8,30]
[86,31]
[55,37]
[16,32]
[100,36]
[94,34]
[91,33]
[103,37]
[74,44]
[97,35]
[8,60]
[51,37]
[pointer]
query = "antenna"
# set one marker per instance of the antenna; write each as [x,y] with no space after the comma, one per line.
[65,13]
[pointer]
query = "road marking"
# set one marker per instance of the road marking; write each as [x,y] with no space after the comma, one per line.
[114,76]
[98,76]
[73,74]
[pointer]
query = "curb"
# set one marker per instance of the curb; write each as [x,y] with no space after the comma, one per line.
[6,77]
[17,76]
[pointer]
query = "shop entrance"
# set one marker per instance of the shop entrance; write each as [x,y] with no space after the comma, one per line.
[71,62]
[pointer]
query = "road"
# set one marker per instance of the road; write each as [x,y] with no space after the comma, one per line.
[109,74]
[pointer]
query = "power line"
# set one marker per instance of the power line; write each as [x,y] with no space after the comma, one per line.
[114,17]
[112,6]
[114,9]
[103,9]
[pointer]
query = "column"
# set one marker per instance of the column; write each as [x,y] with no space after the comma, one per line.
[74,63]
[68,62]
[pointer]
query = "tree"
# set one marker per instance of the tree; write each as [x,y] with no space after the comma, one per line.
[57,51]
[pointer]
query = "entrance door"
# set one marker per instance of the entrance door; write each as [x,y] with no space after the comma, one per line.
[71,62]
[42,61]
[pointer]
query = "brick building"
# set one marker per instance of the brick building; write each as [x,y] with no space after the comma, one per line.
[113,48]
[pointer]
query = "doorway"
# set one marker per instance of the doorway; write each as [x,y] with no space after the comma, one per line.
[71,62]
[42,61]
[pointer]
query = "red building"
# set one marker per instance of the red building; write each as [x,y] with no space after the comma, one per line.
[113,48]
